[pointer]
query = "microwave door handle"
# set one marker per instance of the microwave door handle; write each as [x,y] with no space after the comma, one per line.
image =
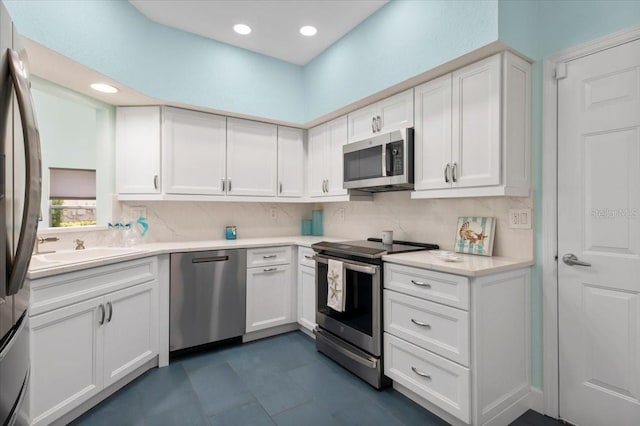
[33,172]
[385,162]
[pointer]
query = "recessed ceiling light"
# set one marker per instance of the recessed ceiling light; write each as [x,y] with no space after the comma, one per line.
[104,88]
[308,30]
[242,29]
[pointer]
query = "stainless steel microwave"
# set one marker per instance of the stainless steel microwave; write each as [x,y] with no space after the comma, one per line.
[381,163]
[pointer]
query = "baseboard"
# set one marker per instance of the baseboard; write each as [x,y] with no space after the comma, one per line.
[454,421]
[273,331]
[104,394]
[308,332]
[511,412]
[536,400]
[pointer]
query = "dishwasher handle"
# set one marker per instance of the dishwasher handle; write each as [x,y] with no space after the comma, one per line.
[210,259]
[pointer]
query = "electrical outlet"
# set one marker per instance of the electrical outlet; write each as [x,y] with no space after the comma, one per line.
[520,218]
[274,214]
[340,214]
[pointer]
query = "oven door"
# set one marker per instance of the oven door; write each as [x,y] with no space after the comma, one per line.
[361,322]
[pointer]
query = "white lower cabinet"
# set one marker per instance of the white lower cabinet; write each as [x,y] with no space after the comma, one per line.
[270,290]
[459,346]
[81,344]
[306,289]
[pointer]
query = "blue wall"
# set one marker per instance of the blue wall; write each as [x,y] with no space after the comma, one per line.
[399,41]
[113,38]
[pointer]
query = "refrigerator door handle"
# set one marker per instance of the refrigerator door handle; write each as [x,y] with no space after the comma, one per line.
[33,171]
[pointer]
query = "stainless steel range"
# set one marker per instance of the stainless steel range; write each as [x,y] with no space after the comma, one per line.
[353,337]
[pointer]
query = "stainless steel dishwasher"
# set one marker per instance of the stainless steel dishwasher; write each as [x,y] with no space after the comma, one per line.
[207,302]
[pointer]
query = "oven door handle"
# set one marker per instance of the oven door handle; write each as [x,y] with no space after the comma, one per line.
[371,270]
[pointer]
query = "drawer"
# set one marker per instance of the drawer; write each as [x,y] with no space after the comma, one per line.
[65,289]
[268,256]
[305,257]
[440,381]
[431,326]
[448,289]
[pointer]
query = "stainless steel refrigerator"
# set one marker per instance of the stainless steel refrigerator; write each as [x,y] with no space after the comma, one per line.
[20,190]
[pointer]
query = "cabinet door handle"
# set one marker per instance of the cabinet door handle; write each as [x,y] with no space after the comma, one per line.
[373,124]
[421,284]
[102,314]
[280,187]
[420,373]
[446,173]
[229,184]
[379,123]
[270,256]
[155,181]
[110,308]
[420,323]
[454,169]
[269,269]
[306,256]
[224,185]
[327,186]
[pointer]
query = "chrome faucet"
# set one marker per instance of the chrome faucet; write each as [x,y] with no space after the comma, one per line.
[79,244]
[40,240]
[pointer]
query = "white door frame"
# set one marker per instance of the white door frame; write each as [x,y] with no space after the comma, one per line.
[550,204]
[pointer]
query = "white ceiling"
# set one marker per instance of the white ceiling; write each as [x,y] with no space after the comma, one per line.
[275,23]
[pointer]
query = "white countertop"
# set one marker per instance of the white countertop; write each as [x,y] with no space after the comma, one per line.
[154,249]
[469,265]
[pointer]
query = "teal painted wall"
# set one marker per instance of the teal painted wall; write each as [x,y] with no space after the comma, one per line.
[401,40]
[115,39]
[540,29]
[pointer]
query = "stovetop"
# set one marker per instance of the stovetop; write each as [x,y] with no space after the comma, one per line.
[371,248]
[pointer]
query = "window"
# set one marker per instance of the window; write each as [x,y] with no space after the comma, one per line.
[72,197]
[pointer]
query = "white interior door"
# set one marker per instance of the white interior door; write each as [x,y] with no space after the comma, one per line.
[599,222]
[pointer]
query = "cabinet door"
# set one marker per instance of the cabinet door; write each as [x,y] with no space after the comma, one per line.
[476,124]
[195,152]
[396,112]
[138,150]
[290,162]
[252,158]
[270,296]
[337,138]
[66,359]
[130,330]
[433,134]
[307,297]
[361,123]
[318,161]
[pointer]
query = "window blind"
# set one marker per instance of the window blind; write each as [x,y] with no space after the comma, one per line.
[72,184]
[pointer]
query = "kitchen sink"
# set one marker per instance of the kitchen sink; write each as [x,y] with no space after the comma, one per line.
[64,257]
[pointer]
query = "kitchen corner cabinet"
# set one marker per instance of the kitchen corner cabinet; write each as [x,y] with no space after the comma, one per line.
[306,289]
[472,131]
[387,115]
[88,330]
[459,346]
[252,158]
[325,158]
[290,162]
[270,288]
[138,150]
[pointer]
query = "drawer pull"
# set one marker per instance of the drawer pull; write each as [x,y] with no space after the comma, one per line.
[269,269]
[421,324]
[306,256]
[271,256]
[420,373]
[421,284]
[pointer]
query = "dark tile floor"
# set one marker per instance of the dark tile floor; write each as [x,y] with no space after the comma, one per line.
[280,380]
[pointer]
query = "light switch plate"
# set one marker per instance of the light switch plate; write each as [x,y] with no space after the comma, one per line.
[520,218]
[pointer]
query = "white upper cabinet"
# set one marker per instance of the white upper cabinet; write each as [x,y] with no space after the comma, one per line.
[387,115]
[290,162]
[325,158]
[138,150]
[252,158]
[194,152]
[472,133]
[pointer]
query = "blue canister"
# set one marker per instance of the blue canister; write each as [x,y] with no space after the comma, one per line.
[306,227]
[316,223]
[231,232]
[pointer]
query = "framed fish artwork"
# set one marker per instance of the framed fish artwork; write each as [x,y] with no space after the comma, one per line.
[475,235]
